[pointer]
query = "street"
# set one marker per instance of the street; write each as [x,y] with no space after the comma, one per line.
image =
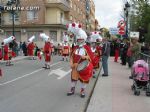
[27,87]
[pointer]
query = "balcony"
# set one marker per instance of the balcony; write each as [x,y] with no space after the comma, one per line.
[62,4]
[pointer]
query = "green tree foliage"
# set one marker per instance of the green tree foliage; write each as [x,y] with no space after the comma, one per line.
[142,15]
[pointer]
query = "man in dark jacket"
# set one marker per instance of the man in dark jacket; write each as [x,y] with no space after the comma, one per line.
[105,56]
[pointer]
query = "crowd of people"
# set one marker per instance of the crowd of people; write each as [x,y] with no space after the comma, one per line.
[84,55]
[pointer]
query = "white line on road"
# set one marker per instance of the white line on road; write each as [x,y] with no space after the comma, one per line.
[25,75]
[59,72]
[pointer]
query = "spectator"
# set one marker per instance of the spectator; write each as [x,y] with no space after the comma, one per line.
[135,50]
[105,56]
[124,52]
[129,54]
[20,48]
[36,50]
[24,48]
[116,49]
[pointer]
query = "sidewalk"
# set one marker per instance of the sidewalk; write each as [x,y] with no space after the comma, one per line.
[18,58]
[114,94]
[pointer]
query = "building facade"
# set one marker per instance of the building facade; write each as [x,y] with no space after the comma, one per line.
[48,16]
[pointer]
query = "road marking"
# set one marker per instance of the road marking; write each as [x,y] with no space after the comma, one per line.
[26,75]
[59,72]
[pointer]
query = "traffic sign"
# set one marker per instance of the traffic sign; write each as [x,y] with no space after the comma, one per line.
[113,31]
[134,34]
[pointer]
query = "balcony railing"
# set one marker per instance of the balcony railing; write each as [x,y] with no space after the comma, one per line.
[63,4]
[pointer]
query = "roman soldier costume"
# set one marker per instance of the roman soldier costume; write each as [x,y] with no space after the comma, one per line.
[81,62]
[47,54]
[30,47]
[7,52]
[96,49]
[47,50]
[65,47]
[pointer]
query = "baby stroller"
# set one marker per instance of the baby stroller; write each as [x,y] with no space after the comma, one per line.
[141,78]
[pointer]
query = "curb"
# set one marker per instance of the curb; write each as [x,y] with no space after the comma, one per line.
[92,91]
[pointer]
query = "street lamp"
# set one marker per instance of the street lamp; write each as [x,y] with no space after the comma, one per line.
[12,3]
[126,9]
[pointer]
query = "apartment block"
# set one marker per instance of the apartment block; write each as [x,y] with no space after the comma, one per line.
[48,16]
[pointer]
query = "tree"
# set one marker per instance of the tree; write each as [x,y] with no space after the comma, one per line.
[141,16]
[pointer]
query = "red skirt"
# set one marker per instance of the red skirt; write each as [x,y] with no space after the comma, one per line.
[86,74]
[6,57]
[30,53]
[47,57]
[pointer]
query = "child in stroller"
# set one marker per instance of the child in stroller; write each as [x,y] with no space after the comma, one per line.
[141,78]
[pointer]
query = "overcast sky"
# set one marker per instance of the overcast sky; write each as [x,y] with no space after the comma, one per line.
[108,12]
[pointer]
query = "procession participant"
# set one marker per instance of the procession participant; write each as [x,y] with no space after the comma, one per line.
[65,47]
[30,48]
[81,54]
[59,49]
[39,54]
[7,52]
[47,50]
[47,54]
[96,49]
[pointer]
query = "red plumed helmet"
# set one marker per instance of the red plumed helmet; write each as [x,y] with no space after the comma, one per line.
[73,24]
[79,25]
[71,36]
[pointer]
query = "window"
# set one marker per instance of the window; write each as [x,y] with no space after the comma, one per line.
[75,7]
[61,17]
[32,15]
[71,4]
[71,17]
[16,16]
[78,10]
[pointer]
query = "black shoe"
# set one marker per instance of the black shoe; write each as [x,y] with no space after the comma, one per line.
[103,75]
[71,92]
[130,77]
[82,95]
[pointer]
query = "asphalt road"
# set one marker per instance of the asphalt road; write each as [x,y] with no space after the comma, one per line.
[27,87]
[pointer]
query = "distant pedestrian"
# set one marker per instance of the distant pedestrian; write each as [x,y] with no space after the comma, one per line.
[105,56]
[47,54]
[135,50]
[116,48]
[20,49]
[124,52]
[24,48]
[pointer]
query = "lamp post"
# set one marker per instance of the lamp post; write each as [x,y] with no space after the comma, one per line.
[126,9]
[12,3]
